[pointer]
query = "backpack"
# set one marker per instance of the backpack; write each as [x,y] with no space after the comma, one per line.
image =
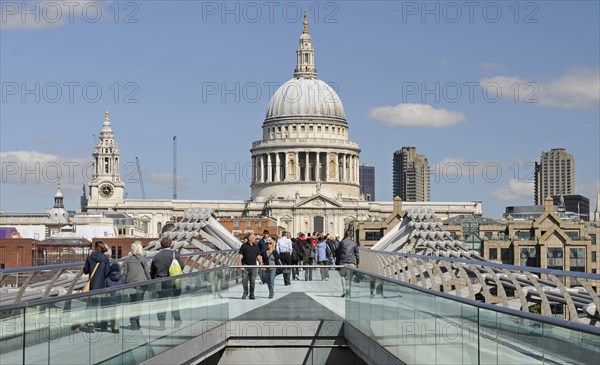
[327,251]
[330,248]
[175,270]
[309,252]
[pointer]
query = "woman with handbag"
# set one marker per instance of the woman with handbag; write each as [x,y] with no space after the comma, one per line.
[97,266]
[136,270]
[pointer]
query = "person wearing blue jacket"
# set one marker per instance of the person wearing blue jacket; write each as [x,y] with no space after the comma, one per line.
[97,266]
[98,279]
[323,253]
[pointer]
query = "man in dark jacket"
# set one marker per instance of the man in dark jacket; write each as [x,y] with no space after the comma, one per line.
[348,256]
[160,269]
[249,254]
[262,247]
[262,244]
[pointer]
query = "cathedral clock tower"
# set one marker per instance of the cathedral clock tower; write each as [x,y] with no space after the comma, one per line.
[106,187]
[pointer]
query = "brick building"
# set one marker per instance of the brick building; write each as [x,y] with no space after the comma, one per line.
[240,226]
[17,252]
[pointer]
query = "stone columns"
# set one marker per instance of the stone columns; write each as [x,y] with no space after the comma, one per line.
[354,168]
[337,167]
[277,168]
[326,166]
[297,165]
[307,167]
[318,167]
[351,168]
[269,168]
[344,171]
[262,168]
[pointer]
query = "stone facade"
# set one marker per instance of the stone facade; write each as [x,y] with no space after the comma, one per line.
[548,241]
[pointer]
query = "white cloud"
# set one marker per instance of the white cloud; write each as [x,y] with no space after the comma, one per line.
[43,14]
[37,167]
[514,190]
[579,88]
[415,115]
[33,173]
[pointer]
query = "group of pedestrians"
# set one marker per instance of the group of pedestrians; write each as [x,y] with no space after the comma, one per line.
[303,250]
[104,273]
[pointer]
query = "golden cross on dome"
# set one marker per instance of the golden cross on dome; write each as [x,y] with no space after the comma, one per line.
[305,24]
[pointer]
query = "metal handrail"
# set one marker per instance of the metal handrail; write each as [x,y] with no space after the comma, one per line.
[287,266]
[19,270]
[60,298]
[527,315]
[539,270]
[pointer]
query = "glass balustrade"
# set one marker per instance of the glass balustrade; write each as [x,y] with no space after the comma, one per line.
[421,326]
[414,324]
[100,327]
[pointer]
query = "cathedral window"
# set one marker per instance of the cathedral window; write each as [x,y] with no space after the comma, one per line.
[306,57]
[310,128]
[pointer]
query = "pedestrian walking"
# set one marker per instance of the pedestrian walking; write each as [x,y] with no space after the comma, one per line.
[136,270]
[249,254]
[323,254]
[348,256]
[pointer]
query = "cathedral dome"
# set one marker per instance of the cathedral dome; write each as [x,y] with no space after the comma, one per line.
[305,97]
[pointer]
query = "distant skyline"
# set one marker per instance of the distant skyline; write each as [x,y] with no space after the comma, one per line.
[481,90]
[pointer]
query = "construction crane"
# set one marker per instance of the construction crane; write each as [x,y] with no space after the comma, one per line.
[139,169]
[174,167]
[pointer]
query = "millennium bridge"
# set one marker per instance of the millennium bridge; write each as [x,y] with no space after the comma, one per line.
[418,297]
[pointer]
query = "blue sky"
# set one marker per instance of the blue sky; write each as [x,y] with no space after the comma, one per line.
[506,81]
